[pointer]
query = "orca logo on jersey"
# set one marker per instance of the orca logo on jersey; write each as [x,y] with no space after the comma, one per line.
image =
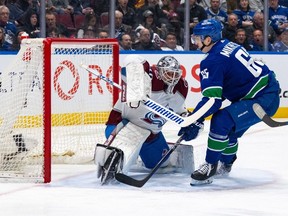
[64,65]
[152,118]
[205,73]
[165,113]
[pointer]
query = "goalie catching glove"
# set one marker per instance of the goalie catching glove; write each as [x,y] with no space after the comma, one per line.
[192,131]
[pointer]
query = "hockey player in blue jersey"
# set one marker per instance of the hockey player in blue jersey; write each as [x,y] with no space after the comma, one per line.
[228,72]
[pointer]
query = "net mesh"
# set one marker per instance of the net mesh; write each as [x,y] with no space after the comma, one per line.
[80,104]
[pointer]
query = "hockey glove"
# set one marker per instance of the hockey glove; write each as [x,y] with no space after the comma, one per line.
[191,132]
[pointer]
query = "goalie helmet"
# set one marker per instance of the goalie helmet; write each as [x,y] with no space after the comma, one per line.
[169,71]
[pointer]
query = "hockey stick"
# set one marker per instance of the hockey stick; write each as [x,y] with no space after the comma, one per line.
[116,130]
[139,183]
[159,109]
[265,118]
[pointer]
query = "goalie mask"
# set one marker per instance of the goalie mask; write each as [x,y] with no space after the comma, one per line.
[169,71]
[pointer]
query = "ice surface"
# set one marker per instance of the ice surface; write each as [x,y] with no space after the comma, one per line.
[257,185]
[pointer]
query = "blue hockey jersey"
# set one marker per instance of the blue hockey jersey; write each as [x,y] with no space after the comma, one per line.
[229,72]
[278,17]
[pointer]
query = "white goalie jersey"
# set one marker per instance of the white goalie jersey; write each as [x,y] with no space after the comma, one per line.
[145,118]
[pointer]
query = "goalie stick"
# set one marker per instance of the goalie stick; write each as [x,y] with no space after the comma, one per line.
[265,118]
[159,109]
[139,183]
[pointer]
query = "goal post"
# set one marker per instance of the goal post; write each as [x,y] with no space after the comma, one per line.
[53,110]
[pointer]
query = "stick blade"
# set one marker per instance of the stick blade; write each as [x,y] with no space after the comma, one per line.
[129,180]
[259,111]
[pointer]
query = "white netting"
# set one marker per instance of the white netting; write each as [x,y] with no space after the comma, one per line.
[80,104]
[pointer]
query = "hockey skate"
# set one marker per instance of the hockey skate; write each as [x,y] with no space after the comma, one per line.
[112,165]
[204,175]
[223,169]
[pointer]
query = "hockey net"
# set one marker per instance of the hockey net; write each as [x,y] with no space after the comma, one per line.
[52,110]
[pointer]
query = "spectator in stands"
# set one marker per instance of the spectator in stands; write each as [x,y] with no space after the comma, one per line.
[171,43]
[167,7]
[136,34]
[91,22]
[31,24]
[133,3]
[52,24]
[241,38]
[89,32]
[9,27]
[176,4]
[157,40]
[52,32]
[101,6]
[120,28]
[125,42]
[103,34]
[60,7]
[197,14]
[17,42]
[148,22]
[145,42]
[278,15]
[258,23]
[3,2]
[129,15]
[281,45]
[159,16]
[214,12]
[176,28]
[206,4]
[231,6]
[82,7]
[229,30]
[258,41]
[18,10]
[256,5]
[245,14]
[283,3]
[4,46]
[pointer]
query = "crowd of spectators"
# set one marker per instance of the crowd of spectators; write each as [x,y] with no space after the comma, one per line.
[145,24]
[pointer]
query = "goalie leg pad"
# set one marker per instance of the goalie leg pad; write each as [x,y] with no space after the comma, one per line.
[121,154]
[130,140]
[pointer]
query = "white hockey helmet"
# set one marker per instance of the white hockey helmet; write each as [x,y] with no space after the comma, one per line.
[169,71]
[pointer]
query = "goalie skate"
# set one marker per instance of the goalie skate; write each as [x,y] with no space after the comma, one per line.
[112,165]
[204,175]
